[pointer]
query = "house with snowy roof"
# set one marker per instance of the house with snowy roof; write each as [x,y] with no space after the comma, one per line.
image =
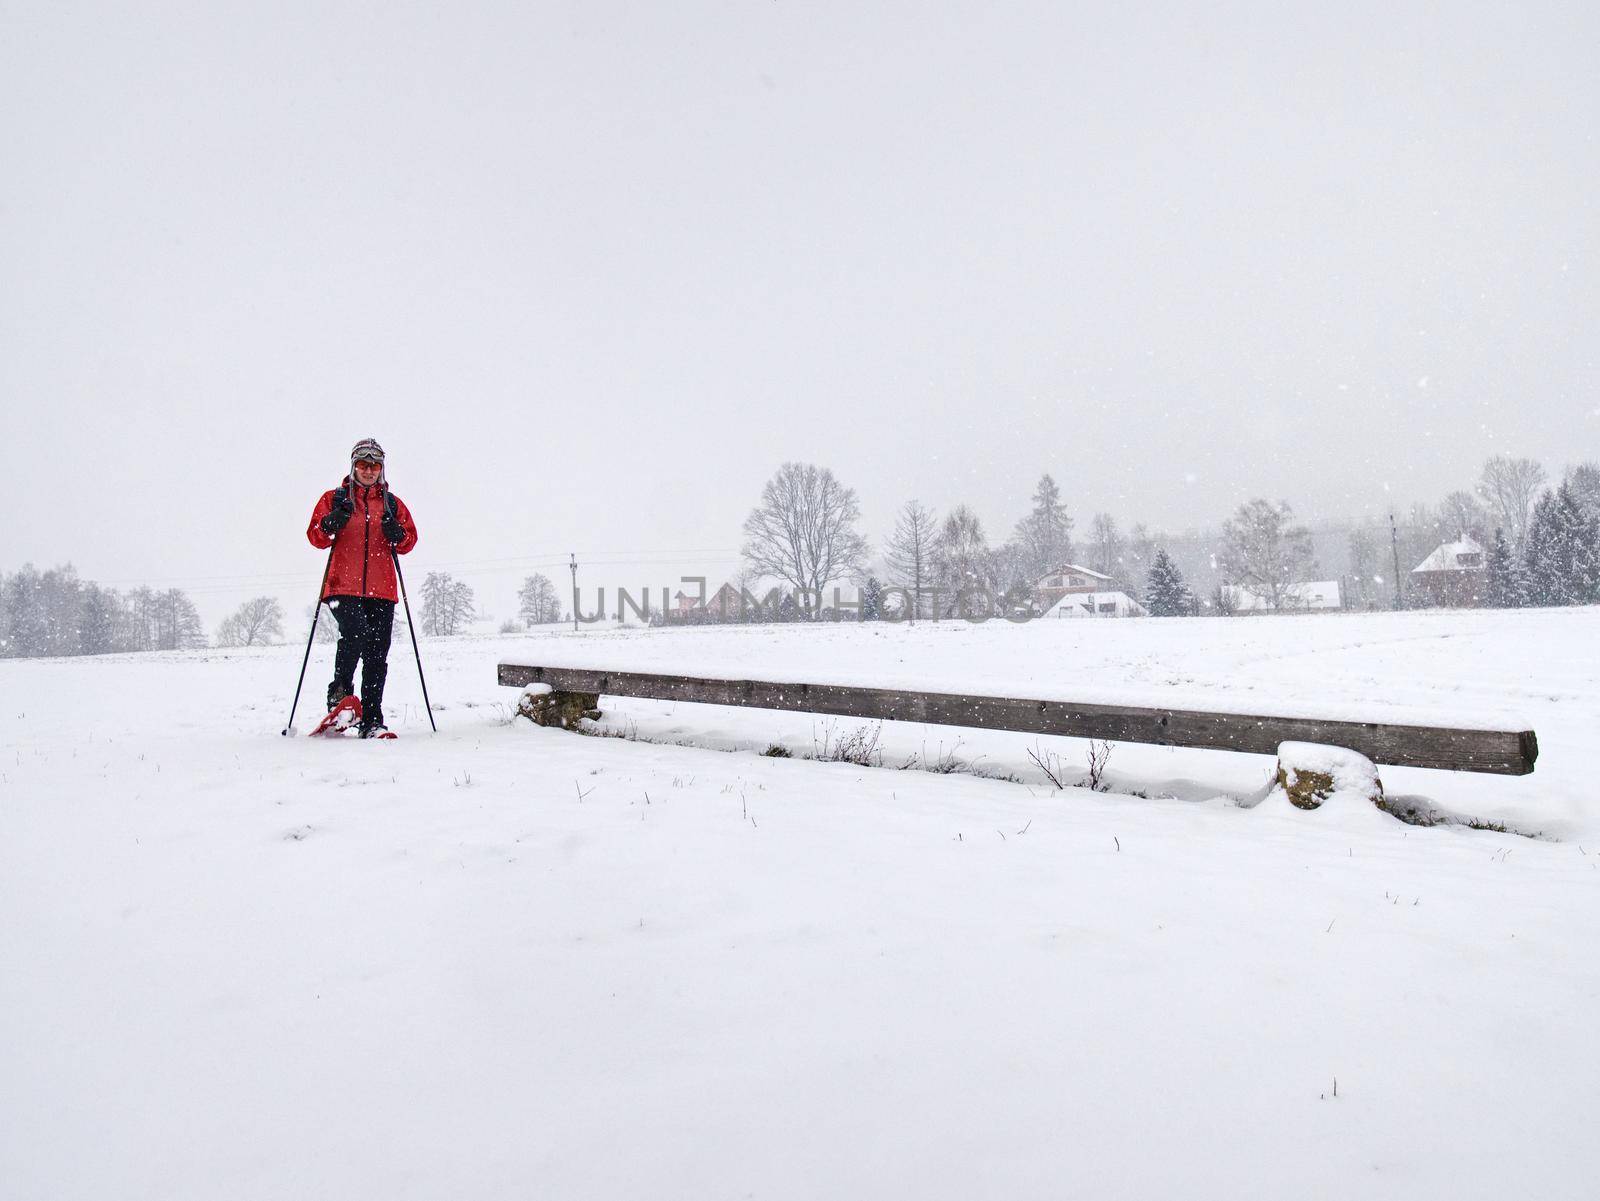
[725,604]
[1069,579]
[1097,604]
[1453,575]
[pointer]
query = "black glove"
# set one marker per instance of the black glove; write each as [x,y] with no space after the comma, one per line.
[340,513]
[392,529]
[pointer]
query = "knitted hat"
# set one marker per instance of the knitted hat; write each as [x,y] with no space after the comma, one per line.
[368,450]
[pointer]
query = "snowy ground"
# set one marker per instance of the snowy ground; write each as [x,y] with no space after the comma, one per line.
[511,962]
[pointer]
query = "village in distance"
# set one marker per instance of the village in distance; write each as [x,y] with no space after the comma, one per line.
[1516,538]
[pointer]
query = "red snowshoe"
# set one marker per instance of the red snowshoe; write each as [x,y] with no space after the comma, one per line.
[343,716]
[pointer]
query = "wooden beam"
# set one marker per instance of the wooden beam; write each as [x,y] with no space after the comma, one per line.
[1502,752]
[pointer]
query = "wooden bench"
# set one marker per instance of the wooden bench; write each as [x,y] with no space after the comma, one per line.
[576,691]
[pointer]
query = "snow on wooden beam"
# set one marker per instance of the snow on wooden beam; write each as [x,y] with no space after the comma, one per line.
[1501,752]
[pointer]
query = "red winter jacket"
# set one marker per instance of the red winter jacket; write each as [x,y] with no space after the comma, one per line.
[361,565]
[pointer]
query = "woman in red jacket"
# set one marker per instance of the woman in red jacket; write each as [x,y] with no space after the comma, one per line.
[363,521]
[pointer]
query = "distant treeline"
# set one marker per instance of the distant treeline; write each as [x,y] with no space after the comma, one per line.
[1537,543]
[55,613]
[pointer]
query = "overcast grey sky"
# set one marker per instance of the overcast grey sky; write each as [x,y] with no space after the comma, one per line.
[591,271]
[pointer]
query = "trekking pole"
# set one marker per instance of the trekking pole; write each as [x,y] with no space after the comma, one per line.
[316,612]
[403,600]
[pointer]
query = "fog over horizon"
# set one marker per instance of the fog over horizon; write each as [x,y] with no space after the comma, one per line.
[591,273]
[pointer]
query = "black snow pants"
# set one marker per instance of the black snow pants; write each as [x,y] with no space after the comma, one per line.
[365,626]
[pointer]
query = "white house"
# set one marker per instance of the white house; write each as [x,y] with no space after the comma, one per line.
[1297,598]
[1097,604]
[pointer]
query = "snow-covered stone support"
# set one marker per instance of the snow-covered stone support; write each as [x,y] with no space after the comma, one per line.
[545,706]
[1310,773]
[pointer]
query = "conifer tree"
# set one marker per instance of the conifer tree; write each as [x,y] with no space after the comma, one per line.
[1505,585]
[1584,481]
[1562,557]
[1045,534]
[1540,554]
[1165,593]
[872,600]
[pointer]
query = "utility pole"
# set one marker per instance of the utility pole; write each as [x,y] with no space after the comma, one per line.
[1394,545]
[574,592]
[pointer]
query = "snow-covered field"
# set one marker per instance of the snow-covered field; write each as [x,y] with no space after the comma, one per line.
[507,962]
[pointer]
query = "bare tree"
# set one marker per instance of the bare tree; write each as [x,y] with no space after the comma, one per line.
[1105,546]
[1011,570]
[803,532]
[1263,550]
[962,560]
[61,594]
[24,632]
[1464,517]
[447,604]
[750,607]
[537,601]
[324,624]
[141,619]
[177,622]
[1368,569]
[102,620]
[1138,557]
[257,622]
[55,613]
[909,553]
[1509,487]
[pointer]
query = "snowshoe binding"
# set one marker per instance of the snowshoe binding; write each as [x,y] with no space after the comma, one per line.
[344,715]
